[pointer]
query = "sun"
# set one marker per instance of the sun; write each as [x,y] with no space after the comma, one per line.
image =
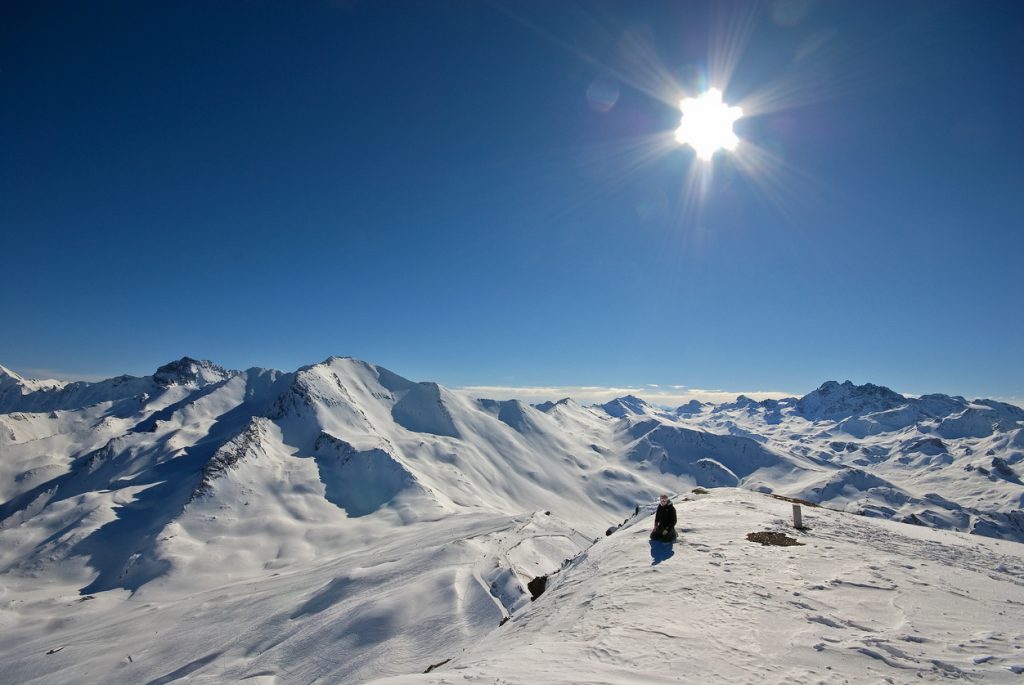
[707,122]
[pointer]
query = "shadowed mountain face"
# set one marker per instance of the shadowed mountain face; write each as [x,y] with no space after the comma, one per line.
[359,482]
[712,460]
[834,400]
[124,479]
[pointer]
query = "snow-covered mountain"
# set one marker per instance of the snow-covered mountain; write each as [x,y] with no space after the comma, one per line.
[349,523]
[935,460]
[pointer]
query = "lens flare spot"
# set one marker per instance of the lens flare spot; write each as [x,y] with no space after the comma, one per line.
[653,206]
[602,94]
[707,122]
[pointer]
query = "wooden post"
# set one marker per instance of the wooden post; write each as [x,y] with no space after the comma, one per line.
[798,522]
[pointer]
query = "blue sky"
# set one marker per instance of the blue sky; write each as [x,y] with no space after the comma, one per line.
[489,194]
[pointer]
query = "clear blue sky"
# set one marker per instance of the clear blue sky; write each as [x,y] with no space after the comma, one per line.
[428,186]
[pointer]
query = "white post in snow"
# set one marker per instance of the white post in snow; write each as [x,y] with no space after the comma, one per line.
[797,517]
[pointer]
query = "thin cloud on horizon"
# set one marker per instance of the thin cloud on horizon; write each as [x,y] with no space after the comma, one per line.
[56,375]
[598,394]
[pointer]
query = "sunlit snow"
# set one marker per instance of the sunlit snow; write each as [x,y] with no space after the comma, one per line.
[343,524]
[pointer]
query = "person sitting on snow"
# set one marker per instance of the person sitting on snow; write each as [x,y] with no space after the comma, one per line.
[664,521]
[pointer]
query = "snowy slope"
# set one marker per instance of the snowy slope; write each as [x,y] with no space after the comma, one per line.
[860,601]
[342,522]
[345,614]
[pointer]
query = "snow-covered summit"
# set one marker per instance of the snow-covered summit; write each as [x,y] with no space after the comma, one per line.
[549,405]
[188,371]
[625,406]
[13,384]
[836,401]
[691,407]
[8,376]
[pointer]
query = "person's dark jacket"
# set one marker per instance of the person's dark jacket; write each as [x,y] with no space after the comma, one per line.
[665,516]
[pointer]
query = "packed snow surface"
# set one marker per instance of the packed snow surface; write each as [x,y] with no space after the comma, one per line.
[341,523]
[859,600]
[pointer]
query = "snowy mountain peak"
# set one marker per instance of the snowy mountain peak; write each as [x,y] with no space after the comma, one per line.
[338,362]
[14,386]
[1009,411]
[8,376]
[625,406]
[188,371]
[744,402]
[346,370]
[839,400]
[548,406]
[691,407]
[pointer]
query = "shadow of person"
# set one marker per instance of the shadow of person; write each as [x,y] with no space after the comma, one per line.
[660,551]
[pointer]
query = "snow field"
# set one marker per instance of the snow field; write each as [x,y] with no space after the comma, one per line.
[862,601]
[363,612]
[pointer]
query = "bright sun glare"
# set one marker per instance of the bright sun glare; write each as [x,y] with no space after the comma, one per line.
[707,122]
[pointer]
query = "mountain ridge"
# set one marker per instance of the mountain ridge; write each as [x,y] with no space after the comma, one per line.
[361,404]
[341,500]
